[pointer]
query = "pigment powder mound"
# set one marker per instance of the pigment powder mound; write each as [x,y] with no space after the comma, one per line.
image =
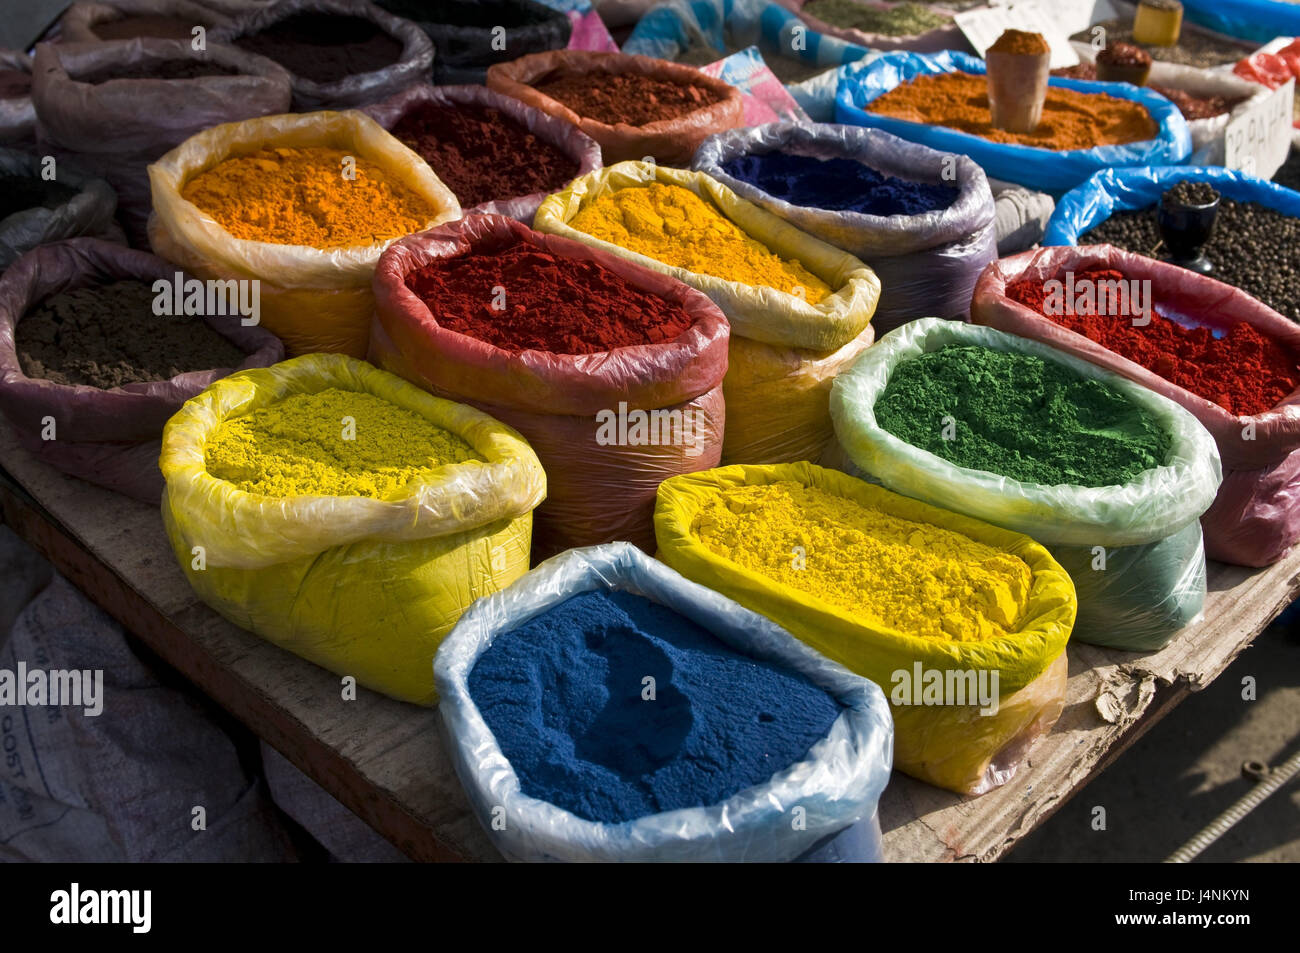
[904,19]
[675,226]
[1253,248]
[108,335]
[1245,372]
[1071,120]
[1019,416]
[631,98]
[302,197]
[332,443]
[561,305]
[324,48]
[913,577]
[838,185]
[147,25]
[18,193]
[563,696]
[482,154]
[167,69]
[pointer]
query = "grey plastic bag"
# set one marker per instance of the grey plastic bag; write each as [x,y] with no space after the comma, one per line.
[927,263]
[116,128]
[89,212]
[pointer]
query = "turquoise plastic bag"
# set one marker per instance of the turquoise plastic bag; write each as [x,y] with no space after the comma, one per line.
[1043,169]
[1122,190]
[837,784]
[1258,20]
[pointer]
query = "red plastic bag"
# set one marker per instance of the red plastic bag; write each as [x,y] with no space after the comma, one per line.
[1256,515]
[109,437]
[596,491]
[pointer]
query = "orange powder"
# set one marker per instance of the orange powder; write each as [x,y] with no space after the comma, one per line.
[1071,120]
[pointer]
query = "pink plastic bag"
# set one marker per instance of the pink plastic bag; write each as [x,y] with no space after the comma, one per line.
[1255,518]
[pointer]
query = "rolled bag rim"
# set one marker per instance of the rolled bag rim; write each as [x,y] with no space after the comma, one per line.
[660,138]
[1052,606]
[94,195]
[1063,514]
[828,325]
[968,213]
[308,267]
[576,385]
[415,60]
[1278,427]
[137,406]
[421,511]
[865,721]
[77,23]
[1173,138]
[553,130]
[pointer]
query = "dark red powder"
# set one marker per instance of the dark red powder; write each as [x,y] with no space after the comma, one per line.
[482,154]
[562,305]
[1244,372]
[633,98]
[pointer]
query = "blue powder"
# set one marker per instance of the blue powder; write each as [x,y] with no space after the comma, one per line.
[563,696]
[837,185]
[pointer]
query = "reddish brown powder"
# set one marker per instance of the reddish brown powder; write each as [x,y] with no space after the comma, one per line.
[1071,120]
[1020,43]
[625,97]
[482,154]
[1192,107]
[562,305]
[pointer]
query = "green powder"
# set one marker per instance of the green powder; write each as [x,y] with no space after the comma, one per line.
[906,19]
[1019,416]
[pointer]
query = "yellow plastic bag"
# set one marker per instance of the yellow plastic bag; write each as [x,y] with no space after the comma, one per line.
[953,746]
[313,299]
[772,332]
[362,587]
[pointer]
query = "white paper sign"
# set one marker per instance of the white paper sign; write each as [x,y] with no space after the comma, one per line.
[983,27]
[1258,141]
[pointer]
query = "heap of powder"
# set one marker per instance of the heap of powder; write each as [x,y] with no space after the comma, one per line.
[903,19]
[1192,107]
[323,47]
[563,696]
[1123,54]
[305,446]
[677,227]
[1245,372]
[562,305]
[838,185]
[913,577]
[1020,43]
[631,98]
[167,69]
[1020,416]
[108,335]
[300,197]
[18,193]
[1071,120]
[482,154]
[148,25]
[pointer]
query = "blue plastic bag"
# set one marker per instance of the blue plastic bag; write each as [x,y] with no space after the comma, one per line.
[837,784]
[668,29]
[1258,20]
[1122,190]
[1043,169]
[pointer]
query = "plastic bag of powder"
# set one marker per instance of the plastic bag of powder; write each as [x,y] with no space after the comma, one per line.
[1254,519]
[953,746]
[1156,512]
[838,784]
[88,212]
[81,20]
[564,136]
[927,263]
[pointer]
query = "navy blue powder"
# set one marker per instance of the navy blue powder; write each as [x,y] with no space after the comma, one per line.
[563,696]
[837,185]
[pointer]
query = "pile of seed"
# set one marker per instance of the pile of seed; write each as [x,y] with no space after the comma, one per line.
[1193,49]
[1253,248]
[1190,194]
[905,19]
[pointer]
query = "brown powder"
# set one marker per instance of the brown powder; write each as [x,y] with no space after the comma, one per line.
[632,98]
[1020,43]
[1071,120]
[147,25]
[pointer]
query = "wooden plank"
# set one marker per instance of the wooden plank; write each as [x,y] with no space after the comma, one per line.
[387,762]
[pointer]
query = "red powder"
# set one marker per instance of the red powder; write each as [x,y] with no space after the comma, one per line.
[1244,372]
[633,98]
[562,305]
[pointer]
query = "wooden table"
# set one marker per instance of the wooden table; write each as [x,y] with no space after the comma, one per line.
[387,761]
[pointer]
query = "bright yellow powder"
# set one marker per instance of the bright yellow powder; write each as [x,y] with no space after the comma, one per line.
[303,197]
[300,447]
[913,577]
[677,227]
